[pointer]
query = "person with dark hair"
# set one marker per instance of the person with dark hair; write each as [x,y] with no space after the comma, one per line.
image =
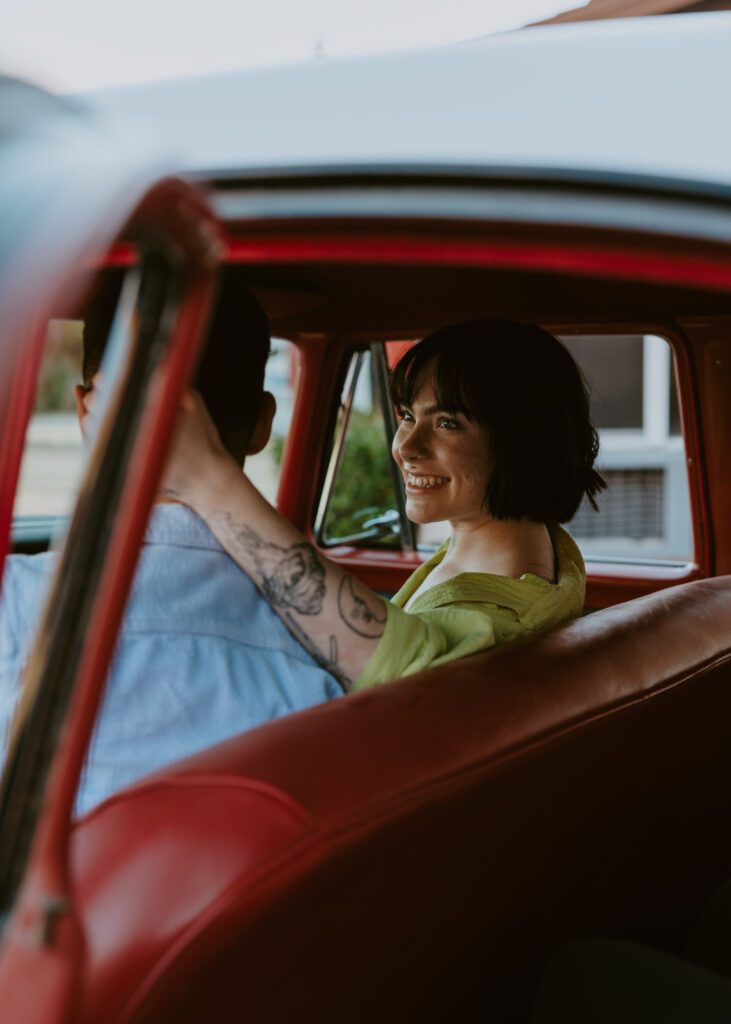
[521,385]
[200,656]
[495,438]
[230,376]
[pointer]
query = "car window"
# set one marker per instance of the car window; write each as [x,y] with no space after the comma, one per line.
[360,499]
[280,378]
[53,457]
[644,514]
[53,451]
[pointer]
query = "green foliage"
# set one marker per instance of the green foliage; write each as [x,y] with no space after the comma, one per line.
[276,447]
[61,367]
[363,487]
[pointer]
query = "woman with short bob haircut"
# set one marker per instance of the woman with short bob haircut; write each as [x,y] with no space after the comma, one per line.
[520,383]
[494,438]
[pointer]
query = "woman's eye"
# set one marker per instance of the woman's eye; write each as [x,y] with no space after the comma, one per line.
[405,415]
[450,424]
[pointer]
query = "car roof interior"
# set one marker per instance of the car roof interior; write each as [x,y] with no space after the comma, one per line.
[408,300]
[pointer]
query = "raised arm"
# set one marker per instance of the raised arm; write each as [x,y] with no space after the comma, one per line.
[334,616]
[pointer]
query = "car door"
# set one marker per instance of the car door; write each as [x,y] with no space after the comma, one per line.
[70,187]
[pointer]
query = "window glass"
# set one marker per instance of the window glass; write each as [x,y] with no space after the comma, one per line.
[361,500]
[53,456]
[615,366]
[645,512]
[280,378]
[676,428]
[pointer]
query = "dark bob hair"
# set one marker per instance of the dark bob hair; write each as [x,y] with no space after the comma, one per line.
[230,375]
[521,384]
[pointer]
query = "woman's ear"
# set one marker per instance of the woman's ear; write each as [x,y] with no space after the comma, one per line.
[263,428]
[81,396]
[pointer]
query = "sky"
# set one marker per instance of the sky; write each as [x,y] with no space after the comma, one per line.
[68,45]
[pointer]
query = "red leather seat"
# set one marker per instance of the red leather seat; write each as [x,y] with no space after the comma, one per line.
[417,850]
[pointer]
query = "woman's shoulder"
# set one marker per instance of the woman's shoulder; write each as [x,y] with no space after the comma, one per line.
[520,594]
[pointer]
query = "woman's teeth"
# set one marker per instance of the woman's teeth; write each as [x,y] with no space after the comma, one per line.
[424,481]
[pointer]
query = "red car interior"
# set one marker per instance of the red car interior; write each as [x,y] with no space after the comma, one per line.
[450,830]
[417,851]
[382,293]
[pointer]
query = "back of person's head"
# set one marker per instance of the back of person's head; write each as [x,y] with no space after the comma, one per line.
[521,384]
[230,375]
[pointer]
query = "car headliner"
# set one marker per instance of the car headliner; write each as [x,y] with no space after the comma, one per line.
[645,97]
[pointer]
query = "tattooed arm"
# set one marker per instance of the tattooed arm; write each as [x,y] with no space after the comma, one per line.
[334,616]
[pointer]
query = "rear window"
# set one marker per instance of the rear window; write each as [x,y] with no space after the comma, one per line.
[645,512]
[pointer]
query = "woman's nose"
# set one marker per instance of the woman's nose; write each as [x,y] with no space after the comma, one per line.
[410,442]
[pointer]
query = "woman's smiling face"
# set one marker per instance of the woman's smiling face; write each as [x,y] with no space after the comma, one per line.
[444,458]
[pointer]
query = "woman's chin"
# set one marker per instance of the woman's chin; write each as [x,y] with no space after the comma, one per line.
[420,515]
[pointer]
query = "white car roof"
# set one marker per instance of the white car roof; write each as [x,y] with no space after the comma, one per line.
[638,97]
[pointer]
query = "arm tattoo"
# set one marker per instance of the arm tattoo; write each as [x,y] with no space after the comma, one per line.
[330,664]
[292,577]
[366,615]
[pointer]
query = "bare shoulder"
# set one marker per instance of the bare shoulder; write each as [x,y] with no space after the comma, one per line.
[511,549]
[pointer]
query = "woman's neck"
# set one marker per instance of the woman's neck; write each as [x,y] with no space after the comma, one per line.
[505,547]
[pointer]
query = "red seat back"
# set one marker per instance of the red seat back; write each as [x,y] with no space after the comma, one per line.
[415,851]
